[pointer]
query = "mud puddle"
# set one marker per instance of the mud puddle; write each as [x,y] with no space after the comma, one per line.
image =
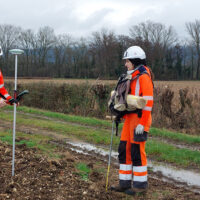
[179,177]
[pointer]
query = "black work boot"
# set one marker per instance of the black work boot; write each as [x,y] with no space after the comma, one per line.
[133,191]
[118,188]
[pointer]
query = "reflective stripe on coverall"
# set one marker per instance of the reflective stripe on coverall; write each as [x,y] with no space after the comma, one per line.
[132,156]
[3,90]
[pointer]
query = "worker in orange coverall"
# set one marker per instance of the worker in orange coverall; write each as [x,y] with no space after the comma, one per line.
[5,98]
[132,155]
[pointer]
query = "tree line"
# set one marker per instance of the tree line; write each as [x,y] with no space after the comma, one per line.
[100,54]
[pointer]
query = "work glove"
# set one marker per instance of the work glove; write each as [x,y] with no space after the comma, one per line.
[12,101]
[139,134]
[19,96]
[139,129]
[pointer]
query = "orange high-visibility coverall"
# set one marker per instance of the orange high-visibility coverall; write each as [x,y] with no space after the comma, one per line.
[132,156]
[3,91]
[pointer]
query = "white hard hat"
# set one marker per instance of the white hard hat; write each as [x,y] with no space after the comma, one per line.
[134,52]
[1,51]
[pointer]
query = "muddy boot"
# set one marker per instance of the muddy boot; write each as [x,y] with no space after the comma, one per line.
[133,191]
[118,188]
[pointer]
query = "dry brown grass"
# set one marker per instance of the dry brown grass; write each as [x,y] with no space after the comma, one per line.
[61,81]
[193,86]
[174,85]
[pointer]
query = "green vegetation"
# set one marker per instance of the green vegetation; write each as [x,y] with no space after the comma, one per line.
[69,118]
[83,170]
[168,153]
[37,141]
[94,122]
[175,136]
[155,196]
[88,134]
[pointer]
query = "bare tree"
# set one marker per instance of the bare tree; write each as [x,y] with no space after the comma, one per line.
[62,50]
[192,56]
[193,28]
[9,38]
[155,39]
[103,47]
[155,33]
[28,43]
[45,40]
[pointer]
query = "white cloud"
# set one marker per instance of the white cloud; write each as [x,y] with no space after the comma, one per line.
[81,17]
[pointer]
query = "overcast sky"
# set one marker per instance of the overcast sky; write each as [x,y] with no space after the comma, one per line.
[82,17]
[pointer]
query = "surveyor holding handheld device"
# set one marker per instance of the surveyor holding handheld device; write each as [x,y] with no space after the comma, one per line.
[134,89]
[5,98]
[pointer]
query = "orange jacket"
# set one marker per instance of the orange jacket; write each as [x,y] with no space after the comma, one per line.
[143,86]
[3,91]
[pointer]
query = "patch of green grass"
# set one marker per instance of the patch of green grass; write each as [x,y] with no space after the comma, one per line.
[84,170]
[166,194]
[88,134]
[37,141]
[6,136]
[155,195]
[168,153]
[163,133]
[69,118]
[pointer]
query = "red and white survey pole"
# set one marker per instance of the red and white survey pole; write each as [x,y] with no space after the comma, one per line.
[15,52]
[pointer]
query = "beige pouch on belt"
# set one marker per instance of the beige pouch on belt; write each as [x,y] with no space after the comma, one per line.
[135,102]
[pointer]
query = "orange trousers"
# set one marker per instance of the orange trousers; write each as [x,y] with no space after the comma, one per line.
[132,156]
